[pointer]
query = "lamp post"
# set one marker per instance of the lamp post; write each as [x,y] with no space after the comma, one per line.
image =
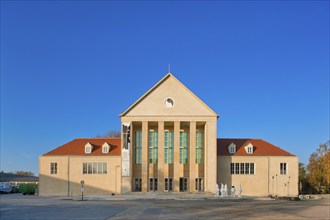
[82,189]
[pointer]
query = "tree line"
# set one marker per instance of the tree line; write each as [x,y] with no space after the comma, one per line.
[315,177]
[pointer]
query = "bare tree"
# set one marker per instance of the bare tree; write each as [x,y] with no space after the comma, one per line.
[110,134]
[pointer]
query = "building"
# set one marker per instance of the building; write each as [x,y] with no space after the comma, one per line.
[168,143]
[258,167]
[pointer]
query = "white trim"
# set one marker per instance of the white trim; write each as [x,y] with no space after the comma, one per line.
[232,148]
[105,148]
[88,148]
[249,148]
[169,102]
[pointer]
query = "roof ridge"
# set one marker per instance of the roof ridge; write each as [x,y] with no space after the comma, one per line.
[98,138]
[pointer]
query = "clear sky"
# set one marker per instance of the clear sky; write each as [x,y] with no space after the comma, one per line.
[69,68]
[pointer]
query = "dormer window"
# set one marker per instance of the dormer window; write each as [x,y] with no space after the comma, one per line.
[105,148]
[249,148]
[232,148]
[88,148]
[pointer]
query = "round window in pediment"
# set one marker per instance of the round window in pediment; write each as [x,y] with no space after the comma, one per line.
[169,103]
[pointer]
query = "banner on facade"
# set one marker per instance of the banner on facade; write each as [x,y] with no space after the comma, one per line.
[125,151]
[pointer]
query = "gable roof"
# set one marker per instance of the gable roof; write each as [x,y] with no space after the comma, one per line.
[77,147]
[166,77]
[260,148]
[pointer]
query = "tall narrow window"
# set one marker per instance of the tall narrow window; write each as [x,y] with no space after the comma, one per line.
[251,168]
[199,184]
[138,147]
[283,168]
[242,169]
[168,146]
[53,168]
[151,184]
[237,168]
[232,168]
[153,146]
[247,168]
[183,147]
[199,146]
[166,184]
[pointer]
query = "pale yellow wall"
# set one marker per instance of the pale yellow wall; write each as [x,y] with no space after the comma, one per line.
[151,112]
[53,184]
[277,186]
[185,103]
[67,180]
[209,172]
[211,155]
[261,183]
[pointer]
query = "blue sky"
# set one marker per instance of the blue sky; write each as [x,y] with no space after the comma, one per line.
[69,68]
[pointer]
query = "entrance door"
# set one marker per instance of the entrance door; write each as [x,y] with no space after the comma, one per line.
[137,184]
[183,184]
[153,184]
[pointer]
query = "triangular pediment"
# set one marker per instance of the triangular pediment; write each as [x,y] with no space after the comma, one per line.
[169,97]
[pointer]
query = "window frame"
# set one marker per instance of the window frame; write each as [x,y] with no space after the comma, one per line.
[138,147]
[184,147]
[53,168]
[241,168]
[199,151]
[153,146]
[183,181]
[283,168]
[199,184]
[92,168]
[168,147]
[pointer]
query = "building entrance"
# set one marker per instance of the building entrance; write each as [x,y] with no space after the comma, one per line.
[137,184]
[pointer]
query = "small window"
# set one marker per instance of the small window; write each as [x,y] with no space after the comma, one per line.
[88,148]
[105,148]
[232,168]
[249,148]
[53,168]
[232,148]
[283,168]
[169,103]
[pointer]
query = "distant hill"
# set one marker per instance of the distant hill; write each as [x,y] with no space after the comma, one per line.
[11,177]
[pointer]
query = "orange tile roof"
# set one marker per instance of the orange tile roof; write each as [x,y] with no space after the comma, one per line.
[77,147]
[260,148]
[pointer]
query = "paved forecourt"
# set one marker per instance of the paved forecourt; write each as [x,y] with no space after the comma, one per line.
[152,206]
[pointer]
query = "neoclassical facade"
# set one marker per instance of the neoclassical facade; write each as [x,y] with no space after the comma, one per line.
[169,144]
[172,143]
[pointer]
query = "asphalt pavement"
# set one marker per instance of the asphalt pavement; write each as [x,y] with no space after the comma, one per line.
[159,206]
